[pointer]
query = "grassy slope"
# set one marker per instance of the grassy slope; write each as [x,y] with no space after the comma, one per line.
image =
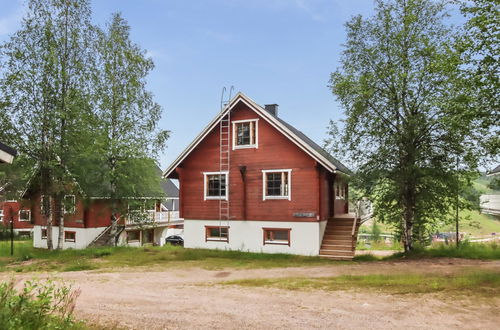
[476,224]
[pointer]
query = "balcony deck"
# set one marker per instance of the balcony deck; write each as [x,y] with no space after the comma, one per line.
[156,219]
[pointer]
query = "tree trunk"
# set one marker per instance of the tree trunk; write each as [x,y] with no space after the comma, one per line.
[408,217]
[60,215]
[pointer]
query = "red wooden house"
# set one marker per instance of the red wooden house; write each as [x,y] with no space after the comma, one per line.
[87,218]
[252,182]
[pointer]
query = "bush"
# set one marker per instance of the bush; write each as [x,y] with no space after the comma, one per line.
[39,305]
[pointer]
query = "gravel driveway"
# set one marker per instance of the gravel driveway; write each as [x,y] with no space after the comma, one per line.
[191,299]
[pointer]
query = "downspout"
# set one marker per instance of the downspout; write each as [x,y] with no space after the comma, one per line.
[243,172]
[320,204]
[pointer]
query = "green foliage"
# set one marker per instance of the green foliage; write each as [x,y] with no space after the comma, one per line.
[376,231]
[480,47]
[408,114]
[38,305]
[466,250]
[494,183]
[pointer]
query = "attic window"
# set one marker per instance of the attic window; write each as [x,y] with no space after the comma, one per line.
[245,134]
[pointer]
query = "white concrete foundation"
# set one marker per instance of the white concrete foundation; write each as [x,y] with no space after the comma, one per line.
[84,236]
[305,237]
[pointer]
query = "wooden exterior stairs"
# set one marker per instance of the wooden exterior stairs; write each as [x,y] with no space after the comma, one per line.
[339,240]
[106,238]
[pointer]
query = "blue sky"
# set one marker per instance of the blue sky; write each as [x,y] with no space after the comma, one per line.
[275,51]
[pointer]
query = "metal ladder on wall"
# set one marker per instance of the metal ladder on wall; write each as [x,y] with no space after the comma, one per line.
[225,156]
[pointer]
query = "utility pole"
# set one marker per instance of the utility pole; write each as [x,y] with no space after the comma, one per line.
[11,232]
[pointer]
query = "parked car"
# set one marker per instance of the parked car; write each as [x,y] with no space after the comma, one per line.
[174,240]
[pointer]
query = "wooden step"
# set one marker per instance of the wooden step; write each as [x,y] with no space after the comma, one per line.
[339,258]
[338,231]
[343,247]
[338,236]
[341,241]
[337,246]
[336,252]
[337,241]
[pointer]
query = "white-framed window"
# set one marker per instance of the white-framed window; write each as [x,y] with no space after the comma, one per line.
[69,204]
[277,184]
[216,185]
[1,215]
[279,236]
[70,236]
[25,215]
[44,200]
[340,190]
[217,233]
[245,134]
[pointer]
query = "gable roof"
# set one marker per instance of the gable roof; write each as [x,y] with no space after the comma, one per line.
[293,134]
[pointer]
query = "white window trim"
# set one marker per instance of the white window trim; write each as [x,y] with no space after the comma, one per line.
[249,146]
[64,204]
[205,197]
[41,203]
[264,196]
[29,215]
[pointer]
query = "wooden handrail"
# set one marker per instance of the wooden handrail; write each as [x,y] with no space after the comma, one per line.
[353,231]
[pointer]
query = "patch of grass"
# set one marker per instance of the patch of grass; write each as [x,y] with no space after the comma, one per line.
[361,245]
[484,283]
[366,257]
[28,259]
[466,250]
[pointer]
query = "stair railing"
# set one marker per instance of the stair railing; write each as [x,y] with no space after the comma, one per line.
[353,232]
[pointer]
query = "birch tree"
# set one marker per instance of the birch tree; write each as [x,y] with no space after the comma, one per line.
[126,114]
[44,88]
[408,111]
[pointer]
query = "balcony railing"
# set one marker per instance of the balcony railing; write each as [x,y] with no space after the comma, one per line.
[152,218]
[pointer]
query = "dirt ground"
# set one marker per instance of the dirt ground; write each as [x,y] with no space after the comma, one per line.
[191,299]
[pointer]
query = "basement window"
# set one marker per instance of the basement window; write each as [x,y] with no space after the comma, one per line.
[25,215]
[217,233]
[70,236]
[276,184]
[245,134]
[44,233]
[280,236]
[215,185]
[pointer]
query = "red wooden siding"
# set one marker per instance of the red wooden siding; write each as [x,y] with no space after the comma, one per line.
[309,181]
[11,210]
[88,214]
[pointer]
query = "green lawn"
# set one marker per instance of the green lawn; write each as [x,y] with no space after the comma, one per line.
[27,258]
[484,283]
